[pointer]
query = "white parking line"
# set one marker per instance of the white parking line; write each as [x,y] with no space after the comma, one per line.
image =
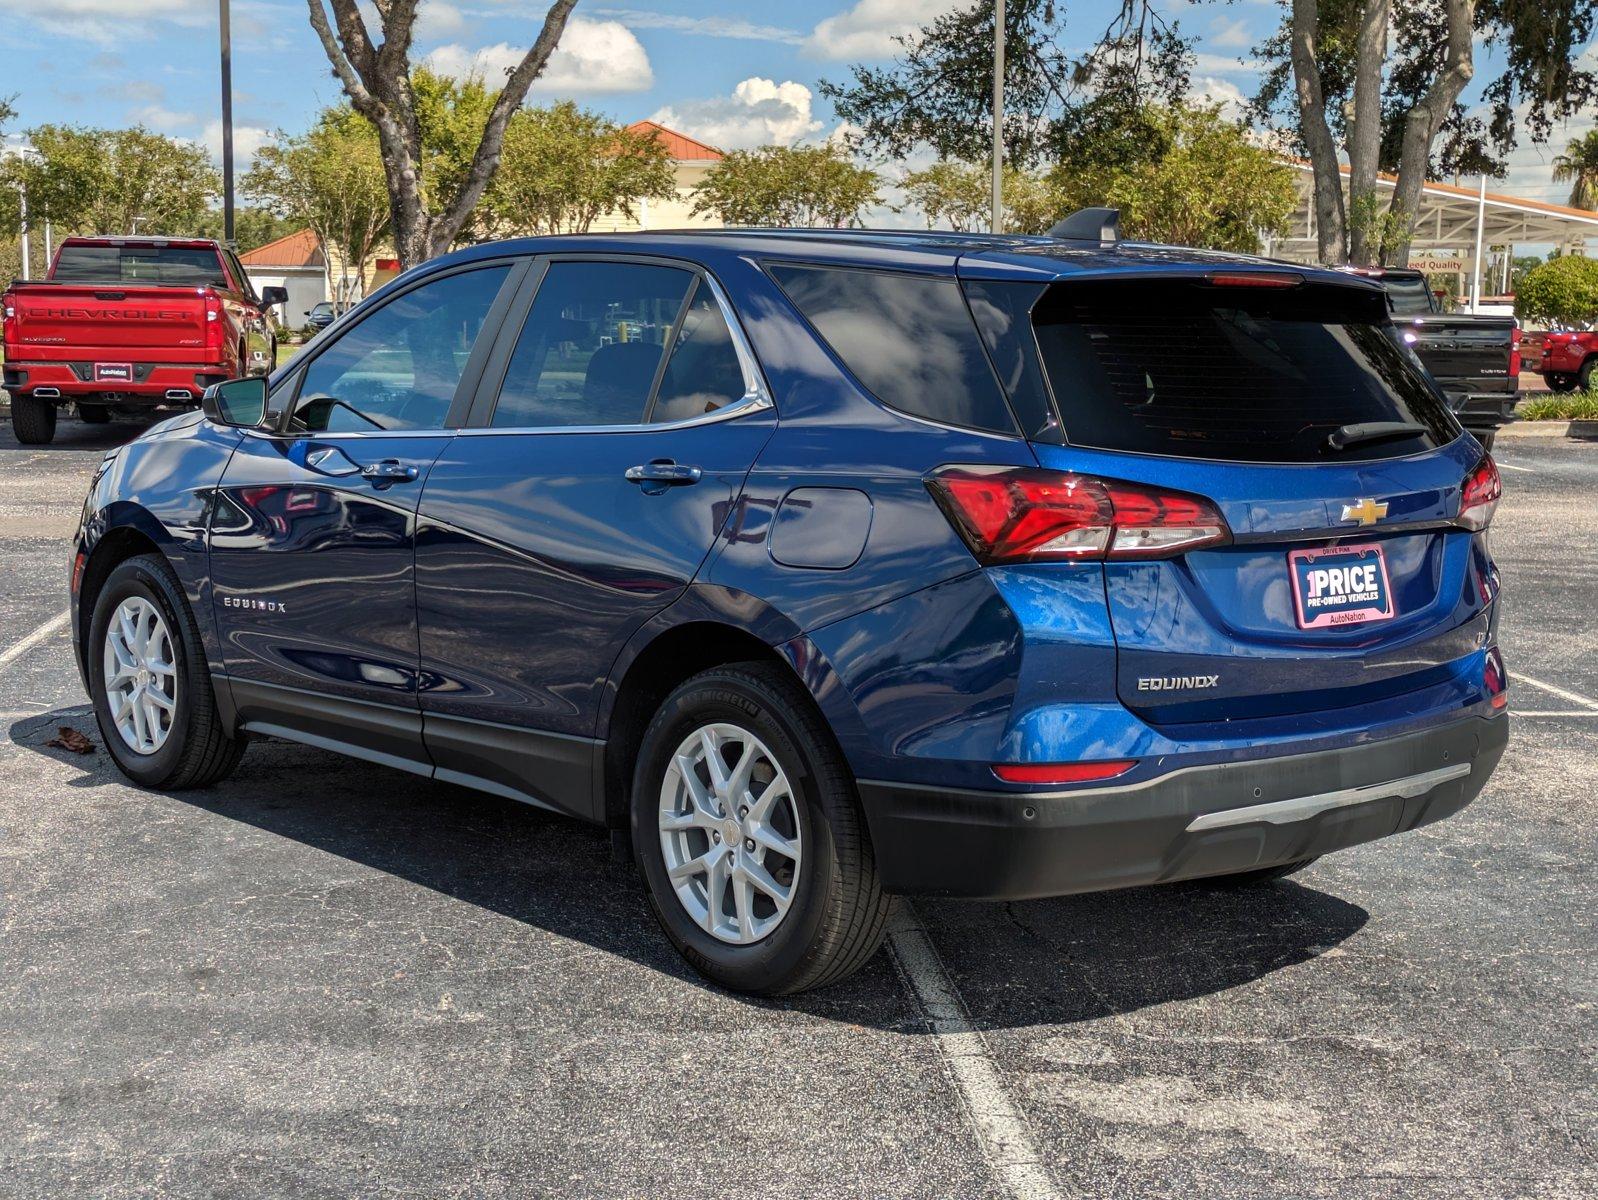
[1573,697]
[1001,1127]
[1573,712]
[1512,467]
[46,631]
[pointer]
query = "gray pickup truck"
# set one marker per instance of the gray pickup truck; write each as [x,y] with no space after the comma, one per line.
[1475,359]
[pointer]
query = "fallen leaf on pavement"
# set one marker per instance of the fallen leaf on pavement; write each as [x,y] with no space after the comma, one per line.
[68,738]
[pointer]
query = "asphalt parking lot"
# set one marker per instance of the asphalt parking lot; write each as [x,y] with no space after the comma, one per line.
[325,979]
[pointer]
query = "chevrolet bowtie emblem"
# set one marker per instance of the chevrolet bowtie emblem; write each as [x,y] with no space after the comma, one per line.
[1365,511]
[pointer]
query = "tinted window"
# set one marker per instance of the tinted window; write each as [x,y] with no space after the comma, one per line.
[591,346]
[907,338]
[194,265]
[399,368]
[1410,297]
[1246,374]
[703,372]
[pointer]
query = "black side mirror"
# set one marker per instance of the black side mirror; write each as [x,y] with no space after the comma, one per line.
[271,297]
[237,402]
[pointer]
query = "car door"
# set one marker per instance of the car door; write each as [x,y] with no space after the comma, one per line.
[612,433]
[312,538]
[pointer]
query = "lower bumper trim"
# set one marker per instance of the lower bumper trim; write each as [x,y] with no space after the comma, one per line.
[1282,812]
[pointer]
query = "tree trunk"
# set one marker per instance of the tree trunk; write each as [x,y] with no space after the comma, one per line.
[1424,121]
[1365,132]
[1330,238]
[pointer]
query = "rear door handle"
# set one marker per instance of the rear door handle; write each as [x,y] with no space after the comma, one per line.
[388,472]
[661,474]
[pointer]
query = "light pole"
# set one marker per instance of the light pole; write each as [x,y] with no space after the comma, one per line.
[998,116]
[227,122]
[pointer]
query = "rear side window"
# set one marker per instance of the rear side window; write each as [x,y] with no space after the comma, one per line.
[908,339]
[194,265]
[1239,374]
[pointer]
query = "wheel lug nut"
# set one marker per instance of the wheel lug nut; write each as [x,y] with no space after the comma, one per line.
[716,836]
[743,812]
[749,845]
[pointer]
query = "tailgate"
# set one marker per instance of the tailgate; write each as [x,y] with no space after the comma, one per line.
[70,322]
[1464,352]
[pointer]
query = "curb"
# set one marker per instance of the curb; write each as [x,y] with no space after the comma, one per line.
[1550,429]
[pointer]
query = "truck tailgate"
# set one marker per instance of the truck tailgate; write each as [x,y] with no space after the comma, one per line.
[89,322]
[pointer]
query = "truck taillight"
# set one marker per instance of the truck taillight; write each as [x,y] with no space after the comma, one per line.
[1021,514]
[1514,352]
[213,326]
[1479,495]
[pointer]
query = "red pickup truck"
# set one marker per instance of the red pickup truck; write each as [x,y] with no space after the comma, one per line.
[1570,360]
[130,322]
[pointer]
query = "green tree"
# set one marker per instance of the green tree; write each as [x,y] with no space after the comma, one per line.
[330,180]
[1578,166]
[789,186]
[1563,290]
[381,83]
[252,227]
[958,196]
[564,166]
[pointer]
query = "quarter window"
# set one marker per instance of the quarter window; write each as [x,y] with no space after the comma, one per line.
[703,372]
[400,367]
[592,346]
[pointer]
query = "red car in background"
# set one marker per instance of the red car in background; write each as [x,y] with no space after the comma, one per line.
[1570,360]
[131,322]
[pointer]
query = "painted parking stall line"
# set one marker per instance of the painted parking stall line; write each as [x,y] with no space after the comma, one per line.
[1586,702]
[39,636]
[1000,1125]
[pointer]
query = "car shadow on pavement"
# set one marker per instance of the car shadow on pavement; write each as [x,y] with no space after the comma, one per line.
[1058,961]
[73,434]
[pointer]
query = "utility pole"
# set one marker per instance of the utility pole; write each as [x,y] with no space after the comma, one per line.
[22,200]
[227,123]
[1475,268]
[998,115]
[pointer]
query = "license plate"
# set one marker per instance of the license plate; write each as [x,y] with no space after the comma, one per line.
[113,372]
[1340,585]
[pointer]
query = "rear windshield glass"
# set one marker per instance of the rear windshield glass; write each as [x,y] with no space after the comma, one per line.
[189,265]
[908,339]
[1409,295]
[1242,374]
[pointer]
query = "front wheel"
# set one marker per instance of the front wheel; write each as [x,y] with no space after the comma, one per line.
[750,838]
[151,688]
[33,420]
[1560,383]
[1585,377]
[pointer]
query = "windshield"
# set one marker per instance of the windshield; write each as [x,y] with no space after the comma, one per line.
[1409,295]
[1241,374]
[189,265]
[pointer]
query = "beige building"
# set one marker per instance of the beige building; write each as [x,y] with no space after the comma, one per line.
[690,161]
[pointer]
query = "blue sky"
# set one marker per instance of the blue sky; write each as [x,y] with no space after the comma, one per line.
[734,74]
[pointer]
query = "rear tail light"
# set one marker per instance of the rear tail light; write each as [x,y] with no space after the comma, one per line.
[1479,495]
[213,326]
[1495,678]
[1021,514]
[1254,279]
[1514,352]
[1077,772]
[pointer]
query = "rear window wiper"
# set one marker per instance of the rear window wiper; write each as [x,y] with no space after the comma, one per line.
[1371,431]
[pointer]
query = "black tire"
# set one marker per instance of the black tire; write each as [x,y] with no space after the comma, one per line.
[198,751]
[33,420]
[1487,439]
[1560,383]
[1584,377]
[1262,875]
[838,916]
[94,414]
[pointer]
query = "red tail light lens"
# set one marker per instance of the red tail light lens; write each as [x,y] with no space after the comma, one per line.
[1496,678]
[213,328]
[1479,495]
[1514,351]
[1020,514]
[1078,772]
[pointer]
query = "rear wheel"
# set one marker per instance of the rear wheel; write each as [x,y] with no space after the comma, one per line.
[94,414]
[1262,875]
[750,838]
[151,687]
[1560,383]
[1588,370]
[33,420]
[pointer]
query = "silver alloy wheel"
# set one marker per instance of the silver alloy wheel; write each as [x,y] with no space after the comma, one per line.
[729,833]
[141,675]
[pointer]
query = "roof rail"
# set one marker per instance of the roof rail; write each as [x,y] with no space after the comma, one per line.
[1101,225]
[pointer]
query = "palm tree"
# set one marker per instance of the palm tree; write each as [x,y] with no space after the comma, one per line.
[1579,162]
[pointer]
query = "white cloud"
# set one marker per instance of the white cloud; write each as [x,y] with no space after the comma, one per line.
[103,22]
[1230,33]
[1226,64]
[436,20]
[759,112]
[1209,90]
[722,27]
[868,29]
[593,56]
[247,142]
[164,120]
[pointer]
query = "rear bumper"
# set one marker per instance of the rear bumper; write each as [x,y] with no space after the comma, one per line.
[152,383]
[1191,822]
[1483,412]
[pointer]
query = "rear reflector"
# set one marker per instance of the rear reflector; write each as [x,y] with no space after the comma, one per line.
[1021,514]
[1080,772]
[1478,496]
[1496,678]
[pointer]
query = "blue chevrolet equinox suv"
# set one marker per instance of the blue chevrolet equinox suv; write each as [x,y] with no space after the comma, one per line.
[825,567]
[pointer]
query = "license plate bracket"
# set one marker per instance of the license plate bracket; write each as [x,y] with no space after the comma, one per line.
[1336,586]
[113,372]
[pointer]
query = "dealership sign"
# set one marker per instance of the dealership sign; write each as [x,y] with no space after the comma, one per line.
[1439,262]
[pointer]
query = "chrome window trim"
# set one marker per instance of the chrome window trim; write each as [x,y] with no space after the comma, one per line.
[756,397]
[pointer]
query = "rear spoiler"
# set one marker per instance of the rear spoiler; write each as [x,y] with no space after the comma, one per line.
[1101,225]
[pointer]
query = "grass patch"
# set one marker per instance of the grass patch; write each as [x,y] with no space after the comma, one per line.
[1576,406]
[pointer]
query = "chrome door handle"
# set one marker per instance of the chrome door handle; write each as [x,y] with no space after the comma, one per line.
[661,474]
[389,471]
